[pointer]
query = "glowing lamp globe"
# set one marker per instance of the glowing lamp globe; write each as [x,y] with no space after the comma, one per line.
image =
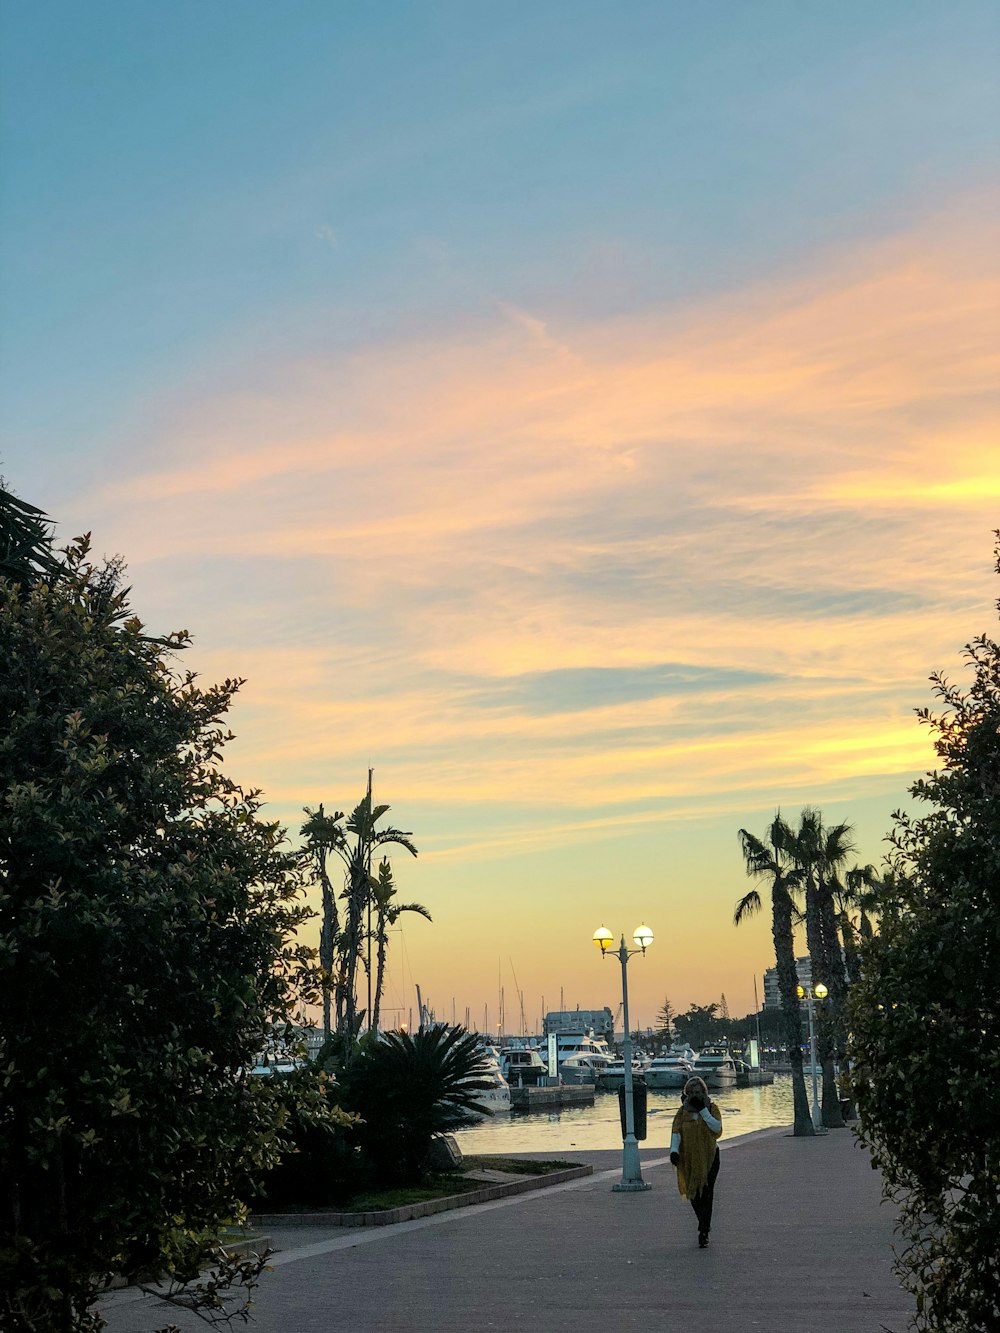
[800,991]
[820,991]
[643,937]
[603,938]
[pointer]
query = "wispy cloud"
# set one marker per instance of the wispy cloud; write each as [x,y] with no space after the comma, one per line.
[708,552]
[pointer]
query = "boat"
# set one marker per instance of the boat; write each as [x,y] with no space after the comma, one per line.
[522,1067]
[749,1077]
[716,1066]
[495,1098]
[613,1074]
[669,1071]
[569,1044]
[586,1067]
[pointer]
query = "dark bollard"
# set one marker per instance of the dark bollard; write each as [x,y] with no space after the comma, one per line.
[638,1107]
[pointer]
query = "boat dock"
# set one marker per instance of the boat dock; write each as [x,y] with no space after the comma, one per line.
[545,1099]
[754,1078]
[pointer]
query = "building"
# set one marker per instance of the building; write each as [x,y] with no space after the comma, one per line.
[599,1021]
[772,995]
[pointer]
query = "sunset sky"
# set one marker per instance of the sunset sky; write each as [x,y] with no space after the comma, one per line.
[584,414]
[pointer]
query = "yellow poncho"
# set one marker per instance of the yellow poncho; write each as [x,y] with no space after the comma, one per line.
[697,1150]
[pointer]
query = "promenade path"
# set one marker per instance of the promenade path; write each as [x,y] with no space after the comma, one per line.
[800,1244]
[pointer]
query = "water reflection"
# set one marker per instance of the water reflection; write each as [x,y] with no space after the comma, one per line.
[597,1126]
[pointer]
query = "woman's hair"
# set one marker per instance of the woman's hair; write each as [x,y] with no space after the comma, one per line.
[696,1084]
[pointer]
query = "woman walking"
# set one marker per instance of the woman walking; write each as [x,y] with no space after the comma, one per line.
[694,1153]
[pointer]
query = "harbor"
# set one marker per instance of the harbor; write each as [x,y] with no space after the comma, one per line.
[596,1126]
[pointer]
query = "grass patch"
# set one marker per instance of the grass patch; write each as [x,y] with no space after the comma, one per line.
[516,1166]
[437,1187]
[377,1201]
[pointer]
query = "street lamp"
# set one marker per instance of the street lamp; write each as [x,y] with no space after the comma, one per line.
[820,992]
[631,1171]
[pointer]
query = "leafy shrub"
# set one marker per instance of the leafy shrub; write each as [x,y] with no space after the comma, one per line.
[147,950]
[407,1088]
[926,1015]
[320,1162]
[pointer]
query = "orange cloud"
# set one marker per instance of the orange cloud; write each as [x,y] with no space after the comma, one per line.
[795,482]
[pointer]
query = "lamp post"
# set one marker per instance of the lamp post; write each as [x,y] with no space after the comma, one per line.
[820,992]
[631,1170]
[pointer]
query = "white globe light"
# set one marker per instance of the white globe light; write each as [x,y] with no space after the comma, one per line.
[643,937]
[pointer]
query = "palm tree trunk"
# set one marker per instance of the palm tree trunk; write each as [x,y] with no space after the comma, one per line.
[852,958]
[832,1029]
[381,939]
[352,937]
[327,938]
[822,971]
[784,954]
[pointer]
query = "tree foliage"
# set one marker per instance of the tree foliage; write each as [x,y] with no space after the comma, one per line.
[346,935]
[407,1087]
[387,912]
[772,861]
[926,1014]
[25,541]
[701,1024]
[147,920]
[665,1017]
[821,853]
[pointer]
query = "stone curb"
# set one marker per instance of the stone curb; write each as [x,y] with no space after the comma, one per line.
[389,1216]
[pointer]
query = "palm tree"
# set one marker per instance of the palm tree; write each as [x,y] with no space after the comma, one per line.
[323,835]
[820,854]
[837,845]
[387,913]
[771,861]
[407,1087]
[861,889]
[25,541]
[362,827]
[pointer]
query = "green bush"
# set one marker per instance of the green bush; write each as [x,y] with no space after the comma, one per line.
[407,1088]
[147,951]
[321,1164]
[926,1016]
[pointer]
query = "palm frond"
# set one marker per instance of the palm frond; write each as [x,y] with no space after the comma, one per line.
[397,909]
[747,906]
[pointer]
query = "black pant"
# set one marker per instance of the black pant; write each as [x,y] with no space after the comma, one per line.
[702,1201]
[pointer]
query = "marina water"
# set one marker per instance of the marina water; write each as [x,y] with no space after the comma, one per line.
[581,1128]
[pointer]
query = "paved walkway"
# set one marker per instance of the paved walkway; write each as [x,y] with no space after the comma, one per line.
[800,1244]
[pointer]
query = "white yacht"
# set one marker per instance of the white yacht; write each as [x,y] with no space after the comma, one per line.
[495,1098]
[586,1067]
[579,1043]
[522,1068]
[669,1071]
[613,1073]
[716,1066]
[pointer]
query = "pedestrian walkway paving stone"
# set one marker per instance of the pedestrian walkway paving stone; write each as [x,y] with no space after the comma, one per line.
[800,1244]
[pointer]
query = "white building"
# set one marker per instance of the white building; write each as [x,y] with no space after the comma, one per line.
[599,1021]
[772,994]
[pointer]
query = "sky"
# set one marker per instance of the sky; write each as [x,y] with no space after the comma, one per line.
[582,414]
